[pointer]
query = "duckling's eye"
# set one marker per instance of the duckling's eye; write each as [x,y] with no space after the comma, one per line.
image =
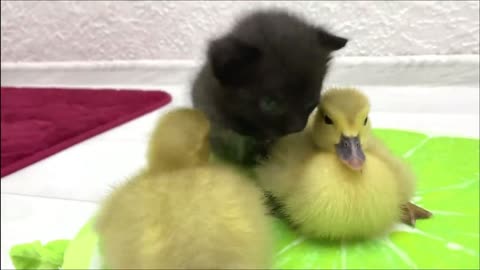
[327,120]
[365,122]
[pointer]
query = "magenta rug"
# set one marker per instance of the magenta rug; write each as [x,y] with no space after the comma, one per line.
[39,122]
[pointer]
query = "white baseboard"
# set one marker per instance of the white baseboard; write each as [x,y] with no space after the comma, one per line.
[460,70]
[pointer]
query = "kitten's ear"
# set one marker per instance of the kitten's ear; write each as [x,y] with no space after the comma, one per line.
[331,41]
[233,61]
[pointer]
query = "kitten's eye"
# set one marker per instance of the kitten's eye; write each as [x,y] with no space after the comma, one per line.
[365,122]
[327,120]
[270,105]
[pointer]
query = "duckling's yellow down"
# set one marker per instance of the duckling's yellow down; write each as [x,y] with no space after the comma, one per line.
[329,201]
[185,213]
[179,140]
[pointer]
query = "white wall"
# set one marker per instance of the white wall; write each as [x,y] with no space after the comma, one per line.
[111,30]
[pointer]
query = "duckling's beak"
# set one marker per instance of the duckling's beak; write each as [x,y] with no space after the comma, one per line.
[350,152]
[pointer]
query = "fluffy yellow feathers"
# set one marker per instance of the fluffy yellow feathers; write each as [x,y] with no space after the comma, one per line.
[179,140]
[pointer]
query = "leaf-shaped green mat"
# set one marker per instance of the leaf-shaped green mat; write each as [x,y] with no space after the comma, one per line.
[34,255]
[448,185]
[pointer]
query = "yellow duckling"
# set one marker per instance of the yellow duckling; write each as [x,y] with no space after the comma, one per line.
[335,180]
[182,212]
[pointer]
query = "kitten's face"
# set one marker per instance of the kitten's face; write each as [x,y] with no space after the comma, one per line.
[273,106]
[270,71]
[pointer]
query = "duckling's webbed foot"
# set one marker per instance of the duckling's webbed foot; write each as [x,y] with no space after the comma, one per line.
[412,212]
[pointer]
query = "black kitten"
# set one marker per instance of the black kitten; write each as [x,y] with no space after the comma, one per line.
[261,81]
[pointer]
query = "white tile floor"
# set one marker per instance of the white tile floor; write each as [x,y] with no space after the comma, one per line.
[53,198]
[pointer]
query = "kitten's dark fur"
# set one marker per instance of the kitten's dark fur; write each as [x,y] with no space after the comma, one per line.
[262,80]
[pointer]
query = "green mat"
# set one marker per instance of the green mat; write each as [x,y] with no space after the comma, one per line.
[448,186]
[34,255]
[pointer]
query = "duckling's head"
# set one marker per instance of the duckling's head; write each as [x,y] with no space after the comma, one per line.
[341,125]
[180,139]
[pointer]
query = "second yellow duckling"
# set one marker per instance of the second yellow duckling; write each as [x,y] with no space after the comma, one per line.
[183,212]
[335,180]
